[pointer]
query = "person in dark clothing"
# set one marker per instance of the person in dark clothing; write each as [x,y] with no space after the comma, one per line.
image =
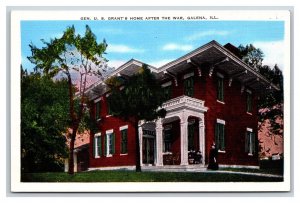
[213,158]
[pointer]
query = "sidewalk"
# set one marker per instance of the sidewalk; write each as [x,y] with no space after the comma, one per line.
[202,169]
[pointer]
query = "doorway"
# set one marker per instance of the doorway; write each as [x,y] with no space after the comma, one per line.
[148,150]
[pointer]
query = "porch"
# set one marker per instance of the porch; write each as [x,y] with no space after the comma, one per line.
[176,140]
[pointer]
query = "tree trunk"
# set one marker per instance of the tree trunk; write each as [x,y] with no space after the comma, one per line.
[137,143]
[71,153]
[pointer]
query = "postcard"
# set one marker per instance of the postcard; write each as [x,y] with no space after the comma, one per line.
[150,100]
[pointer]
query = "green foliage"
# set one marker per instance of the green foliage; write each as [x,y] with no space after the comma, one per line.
[44,118]
[272,101]
[251,55]
[139,99]
[75,56]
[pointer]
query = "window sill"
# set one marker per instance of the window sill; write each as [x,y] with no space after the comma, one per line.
[249,113]
[109,155]
[98,119]
[220,151]
[124,154]
[221,102]
[108,116]
[97,157]
[249,154]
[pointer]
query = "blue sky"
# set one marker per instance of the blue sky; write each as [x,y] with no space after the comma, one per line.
[158,42]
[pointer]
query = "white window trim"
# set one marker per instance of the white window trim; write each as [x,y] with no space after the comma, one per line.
[221,102]
[249,91]
[97,135]
[221,121]
[188,75]
[97,100]
[220,75]
[249,129]
[109,131]
[167,84]
[123,127]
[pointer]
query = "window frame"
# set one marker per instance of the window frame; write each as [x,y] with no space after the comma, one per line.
[220,88]
[110,147]
[167,88]
[122,144]
[97,147]
[250,142]
[249,101]
[189,90]
[167,142]
[220,135]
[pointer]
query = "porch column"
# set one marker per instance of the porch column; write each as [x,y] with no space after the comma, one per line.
[184,139]
[141,122]
[202,139]
[159,142]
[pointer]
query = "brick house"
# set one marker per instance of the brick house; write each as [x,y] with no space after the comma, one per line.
[213,98]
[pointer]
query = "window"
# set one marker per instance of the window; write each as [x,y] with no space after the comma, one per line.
[124,149]
[191,137]
[189,86]
[167,92]
[249,101]
[98,110]
[108,109]
[250,142]
[220,88]
[220,135]
[97,145]
[167,139]
[110,143]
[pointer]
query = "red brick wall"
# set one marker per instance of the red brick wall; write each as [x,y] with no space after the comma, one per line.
[108,123]
[233,111]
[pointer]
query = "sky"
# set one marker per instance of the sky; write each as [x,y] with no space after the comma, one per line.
[159,42]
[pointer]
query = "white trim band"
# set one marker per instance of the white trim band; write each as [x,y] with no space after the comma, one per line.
[188,75]
[123,127]
[221,121]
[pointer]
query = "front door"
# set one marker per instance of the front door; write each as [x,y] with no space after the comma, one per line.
[148,150]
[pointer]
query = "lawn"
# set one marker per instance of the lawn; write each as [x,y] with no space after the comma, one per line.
[132,176]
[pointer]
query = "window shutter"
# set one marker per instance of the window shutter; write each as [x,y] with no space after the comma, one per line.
[99,146]
[94,147]
[246,142]
[253,142]
[105,145]
[126,138]
[192,87]
[217,135]
[222,137]
[113,142]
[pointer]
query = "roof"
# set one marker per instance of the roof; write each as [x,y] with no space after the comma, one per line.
[210,55]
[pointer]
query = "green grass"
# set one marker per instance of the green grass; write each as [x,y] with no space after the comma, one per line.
[274,171]
[132,176]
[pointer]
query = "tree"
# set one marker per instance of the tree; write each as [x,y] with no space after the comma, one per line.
[136,98]
[272,101]
[43,145]
[251,55]
[78,58]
